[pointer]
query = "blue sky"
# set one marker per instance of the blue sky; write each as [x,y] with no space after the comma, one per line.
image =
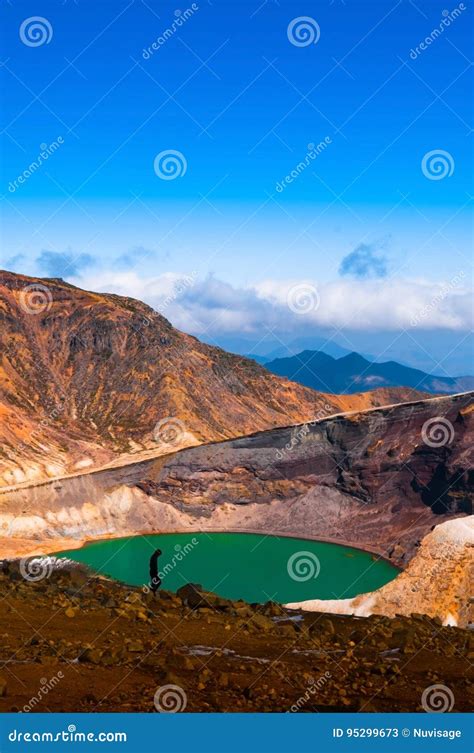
[240,102]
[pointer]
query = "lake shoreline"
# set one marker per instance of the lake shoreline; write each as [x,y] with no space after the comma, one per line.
[75,544]
[252,567]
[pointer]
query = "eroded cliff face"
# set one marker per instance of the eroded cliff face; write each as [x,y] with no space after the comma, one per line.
[379,479]
[370,480]
[86,379]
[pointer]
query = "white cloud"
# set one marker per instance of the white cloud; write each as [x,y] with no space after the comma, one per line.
[215,306]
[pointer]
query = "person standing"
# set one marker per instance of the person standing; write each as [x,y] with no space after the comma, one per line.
[155,580]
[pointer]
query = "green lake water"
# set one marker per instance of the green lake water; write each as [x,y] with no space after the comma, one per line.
[240,566]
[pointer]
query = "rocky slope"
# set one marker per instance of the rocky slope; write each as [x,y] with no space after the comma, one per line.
[438,582]
[71,642]
[379,480]
[87,378]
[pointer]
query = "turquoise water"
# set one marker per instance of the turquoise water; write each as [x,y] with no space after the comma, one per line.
[240,565]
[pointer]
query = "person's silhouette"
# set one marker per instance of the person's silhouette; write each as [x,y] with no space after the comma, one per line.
[155,580]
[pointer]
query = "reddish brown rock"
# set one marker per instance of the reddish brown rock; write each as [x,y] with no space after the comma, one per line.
[85,378]
[373,479]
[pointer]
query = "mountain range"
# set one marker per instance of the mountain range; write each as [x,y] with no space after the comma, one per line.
[87,379]
[354,373]
[427,350]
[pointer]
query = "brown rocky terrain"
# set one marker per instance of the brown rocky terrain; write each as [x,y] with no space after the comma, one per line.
[74,642]
[87,379]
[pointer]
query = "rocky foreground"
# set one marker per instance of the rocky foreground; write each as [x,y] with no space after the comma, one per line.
[75,642]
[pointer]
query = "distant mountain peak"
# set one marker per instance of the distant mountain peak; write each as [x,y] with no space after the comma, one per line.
[354,373]
[354,358]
